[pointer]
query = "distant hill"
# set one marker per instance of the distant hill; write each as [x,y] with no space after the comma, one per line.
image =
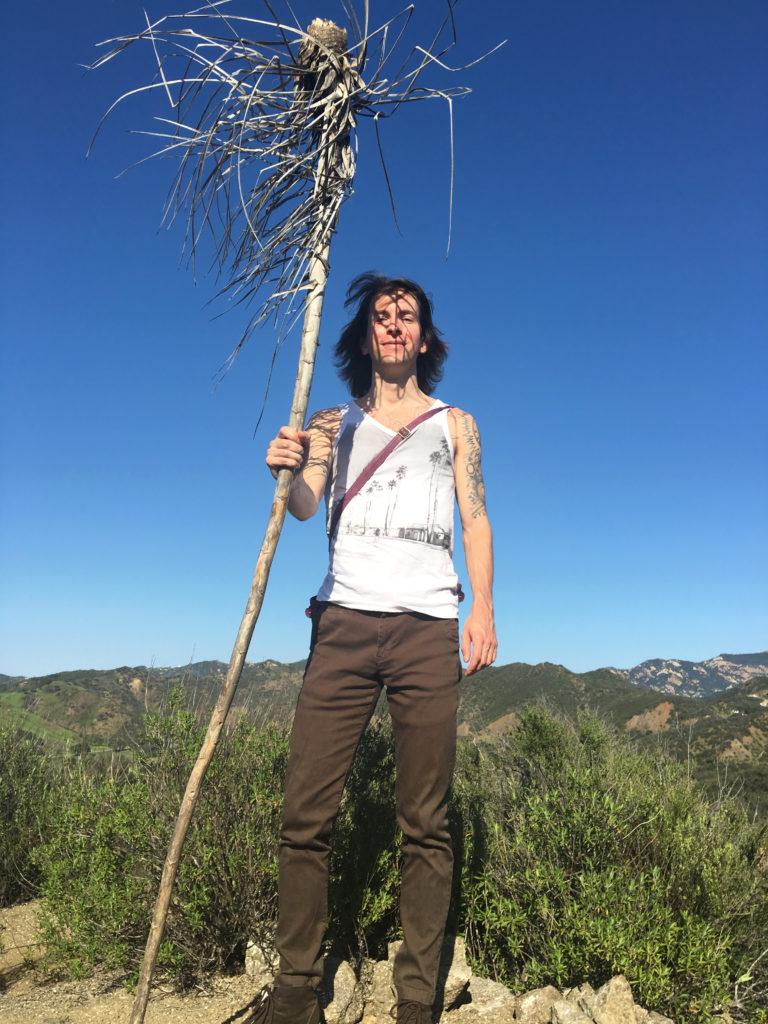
[697,678]
[106,708]
[723,737]
[732,725]
[92,708]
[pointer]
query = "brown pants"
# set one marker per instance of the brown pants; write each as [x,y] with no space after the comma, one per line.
[354,654]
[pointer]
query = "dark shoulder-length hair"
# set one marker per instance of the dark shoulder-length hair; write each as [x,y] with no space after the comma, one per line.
[354,367]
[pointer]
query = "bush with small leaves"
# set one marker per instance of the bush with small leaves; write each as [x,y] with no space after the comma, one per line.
[583,857]
[28,774]
[577,856]
[103,858]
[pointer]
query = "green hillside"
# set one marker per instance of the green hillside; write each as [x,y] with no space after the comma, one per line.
[106,707]
[496,692]
[725,737]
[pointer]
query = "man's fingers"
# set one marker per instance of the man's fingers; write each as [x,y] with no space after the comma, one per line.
[470,651]
[289,433]
[279,457]
[299,437]
[287,449]
[478,650]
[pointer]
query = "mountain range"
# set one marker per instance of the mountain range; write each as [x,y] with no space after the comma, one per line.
[712,713]
[697,678]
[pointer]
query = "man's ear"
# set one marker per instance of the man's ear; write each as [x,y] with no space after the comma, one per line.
[365,347]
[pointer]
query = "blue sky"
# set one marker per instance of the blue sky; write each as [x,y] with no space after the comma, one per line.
[605,300]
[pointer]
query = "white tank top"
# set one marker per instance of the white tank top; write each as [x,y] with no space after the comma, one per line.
[394,541]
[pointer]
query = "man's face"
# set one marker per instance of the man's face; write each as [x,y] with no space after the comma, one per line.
[394,330]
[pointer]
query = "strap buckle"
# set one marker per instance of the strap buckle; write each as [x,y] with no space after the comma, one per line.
[404,432]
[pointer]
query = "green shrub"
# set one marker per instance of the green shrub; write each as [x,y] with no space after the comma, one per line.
[577,857]
[27,774]
[103,859]
[582,857]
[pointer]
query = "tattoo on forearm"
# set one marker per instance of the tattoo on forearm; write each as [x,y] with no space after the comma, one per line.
[472,467]
[323,461]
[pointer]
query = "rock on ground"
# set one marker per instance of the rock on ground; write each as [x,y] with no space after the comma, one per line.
[347,999]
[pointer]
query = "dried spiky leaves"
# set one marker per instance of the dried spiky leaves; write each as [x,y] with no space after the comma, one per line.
[264,133]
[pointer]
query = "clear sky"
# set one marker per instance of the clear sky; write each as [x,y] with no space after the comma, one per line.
[605,301]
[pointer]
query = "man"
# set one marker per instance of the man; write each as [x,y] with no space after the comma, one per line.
[386,615]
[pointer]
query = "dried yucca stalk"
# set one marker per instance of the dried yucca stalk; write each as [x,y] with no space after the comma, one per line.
[264,132]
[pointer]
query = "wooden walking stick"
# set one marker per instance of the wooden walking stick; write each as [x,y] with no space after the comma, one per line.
[319,268]
[288,107]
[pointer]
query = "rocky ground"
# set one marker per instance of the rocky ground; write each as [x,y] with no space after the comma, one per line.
[27,998]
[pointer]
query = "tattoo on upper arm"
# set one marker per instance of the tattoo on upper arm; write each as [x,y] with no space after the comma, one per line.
[473,469]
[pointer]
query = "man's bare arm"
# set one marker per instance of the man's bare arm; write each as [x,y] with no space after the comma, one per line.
[309,454]
[478,639]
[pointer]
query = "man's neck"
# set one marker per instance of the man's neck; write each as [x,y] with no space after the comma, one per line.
[388,395]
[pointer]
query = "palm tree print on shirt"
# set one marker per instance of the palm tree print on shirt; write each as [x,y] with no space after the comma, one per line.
[373,486]
[426,531]
[393,486]
[440,457]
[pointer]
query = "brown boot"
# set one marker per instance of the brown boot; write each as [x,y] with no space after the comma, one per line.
[410,1012]
[285,1004]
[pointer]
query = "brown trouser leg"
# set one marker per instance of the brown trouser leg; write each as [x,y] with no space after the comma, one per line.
[353,655]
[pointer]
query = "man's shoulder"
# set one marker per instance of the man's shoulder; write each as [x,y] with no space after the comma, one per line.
[325,419]
[464,431]
[459,416]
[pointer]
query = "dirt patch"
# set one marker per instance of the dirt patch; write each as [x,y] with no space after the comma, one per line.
[735,751]
[745,747]
[136,687]
[27,998]
[654,720]
[504,723]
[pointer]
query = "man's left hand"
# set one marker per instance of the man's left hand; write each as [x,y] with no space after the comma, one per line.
[478,640]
